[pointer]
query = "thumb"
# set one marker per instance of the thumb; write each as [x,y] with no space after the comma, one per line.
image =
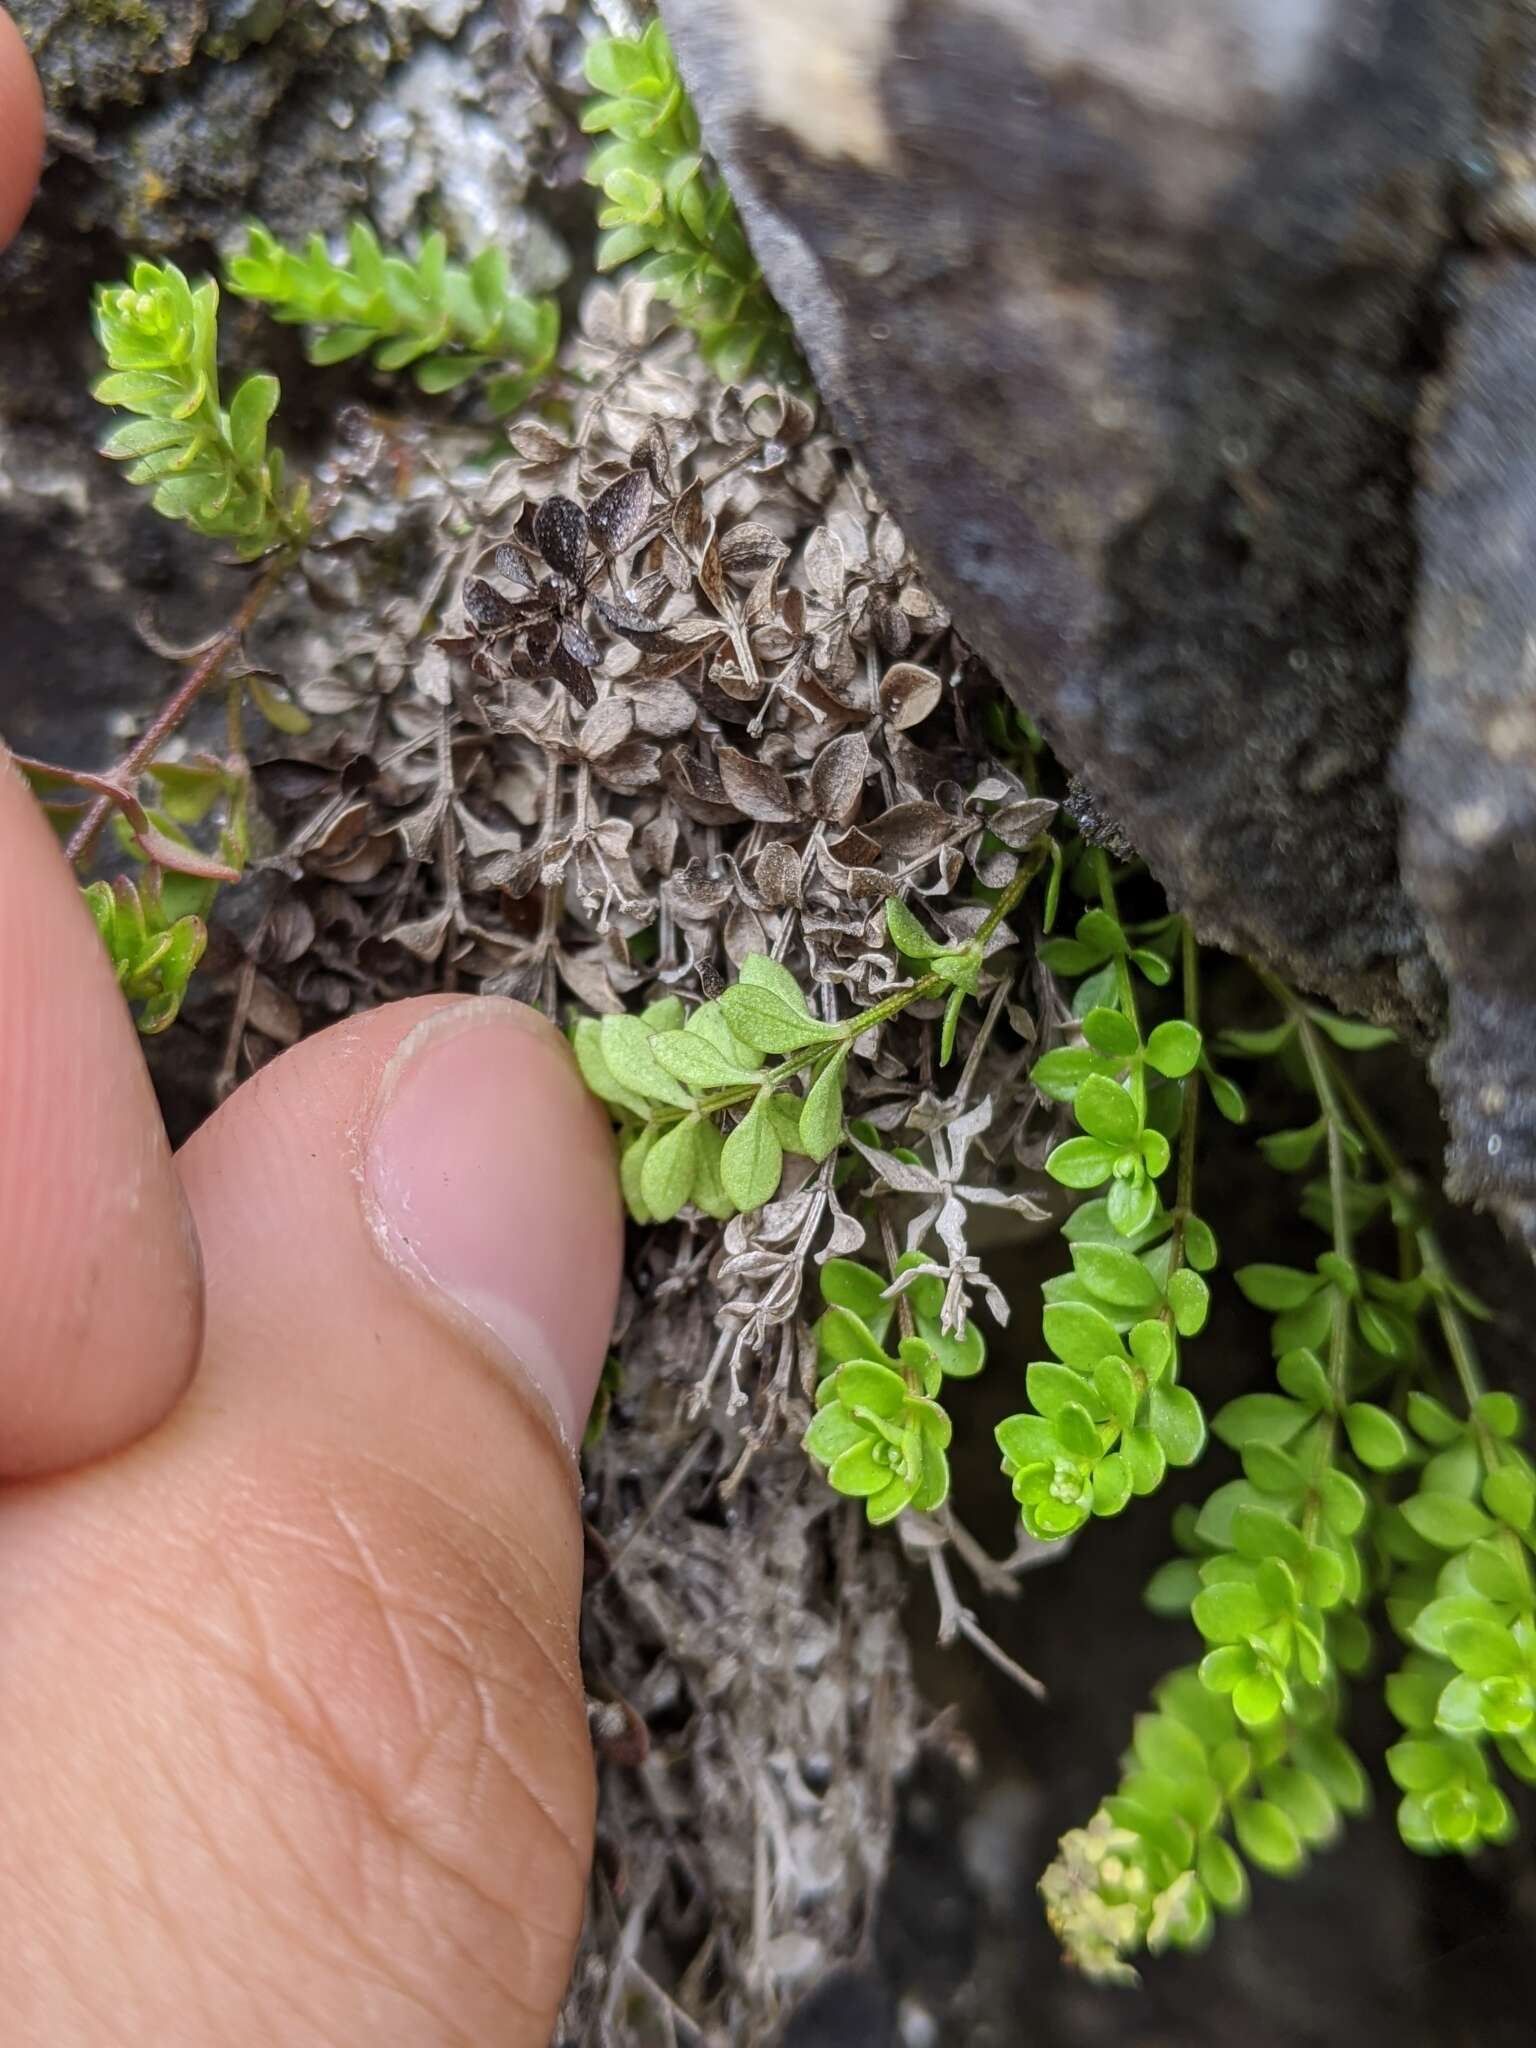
[333,1599]
[437,1165]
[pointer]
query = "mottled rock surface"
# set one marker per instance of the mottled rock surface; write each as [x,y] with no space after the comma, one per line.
[170,121]
[1134,312]
[1467,769]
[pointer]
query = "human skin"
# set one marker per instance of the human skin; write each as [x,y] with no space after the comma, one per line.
[290,1705]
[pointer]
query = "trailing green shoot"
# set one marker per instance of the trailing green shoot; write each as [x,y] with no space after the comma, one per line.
[207,466]
[446,322]
[1246,1759]
[664,204]
[1110,1414]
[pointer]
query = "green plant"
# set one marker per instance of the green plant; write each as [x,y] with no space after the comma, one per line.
[211,468]
[1109,1412]
[207,466]
[672,1078]
[153,953]
[446,322]
[665,205]
[879,1427]
[1282,1565]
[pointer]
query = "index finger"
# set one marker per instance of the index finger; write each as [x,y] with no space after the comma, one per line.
[100,1283]
[21,128]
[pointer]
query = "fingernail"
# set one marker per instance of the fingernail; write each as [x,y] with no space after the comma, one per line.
[490,1183]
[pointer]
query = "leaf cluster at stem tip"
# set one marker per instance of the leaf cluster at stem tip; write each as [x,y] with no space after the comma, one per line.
[207,466]
[879,1427]
[446,322]
[665,205]
[153,952]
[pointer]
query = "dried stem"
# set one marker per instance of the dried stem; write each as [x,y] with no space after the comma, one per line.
[177,707]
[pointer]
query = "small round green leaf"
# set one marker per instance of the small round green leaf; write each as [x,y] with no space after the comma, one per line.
[753,1159]
[1172,1587]
[1115,1384]
[1130,1204]
[864,1384]
[1190,1300]
[1446,1520]
[1432,1420]
[762,1019]
[1177,1423]
[667,1177]
[1276,1287]
[847,1284]
[1076,1431]
[1081,1163]
[1259,1418]
[1050,1387]
[1061,1073]
[1267,1836]
[1221,1872]
[1110,1031]
[821,1120]
[1375,1437]
[1230,1611]
[1111,1485]
[1200,1247]
[1107,1111]
[1080,1335]
[690,1058]
[1174,1049]
[1510,1493]
[1116,1276]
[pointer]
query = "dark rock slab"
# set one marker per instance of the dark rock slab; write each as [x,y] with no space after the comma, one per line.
[1133,311]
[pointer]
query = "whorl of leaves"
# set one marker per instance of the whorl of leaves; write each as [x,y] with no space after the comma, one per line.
[207,466]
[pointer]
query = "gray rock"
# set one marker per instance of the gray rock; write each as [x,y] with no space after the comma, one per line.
[1132,312]
[170,121]
[1467,767]
[173,120]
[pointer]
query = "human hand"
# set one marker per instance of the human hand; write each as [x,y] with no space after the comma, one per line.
[290,1707]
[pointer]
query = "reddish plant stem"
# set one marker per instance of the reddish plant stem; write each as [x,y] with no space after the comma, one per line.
[82,841]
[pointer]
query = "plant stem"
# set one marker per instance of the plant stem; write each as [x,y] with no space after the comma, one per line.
[174,711]
[1123,982]
[1189,1121]
[1320,1069]
[1459,1343]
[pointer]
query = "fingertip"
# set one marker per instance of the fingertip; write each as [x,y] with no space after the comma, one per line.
[490,1182]
[21,128]
[100,1286]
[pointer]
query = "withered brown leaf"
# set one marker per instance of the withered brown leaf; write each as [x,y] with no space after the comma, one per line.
[617,515]
[757,790]
[486,608]
[912,830]
[908,693]
[1019,824]
[560,534]
[748,547]
[837,779]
